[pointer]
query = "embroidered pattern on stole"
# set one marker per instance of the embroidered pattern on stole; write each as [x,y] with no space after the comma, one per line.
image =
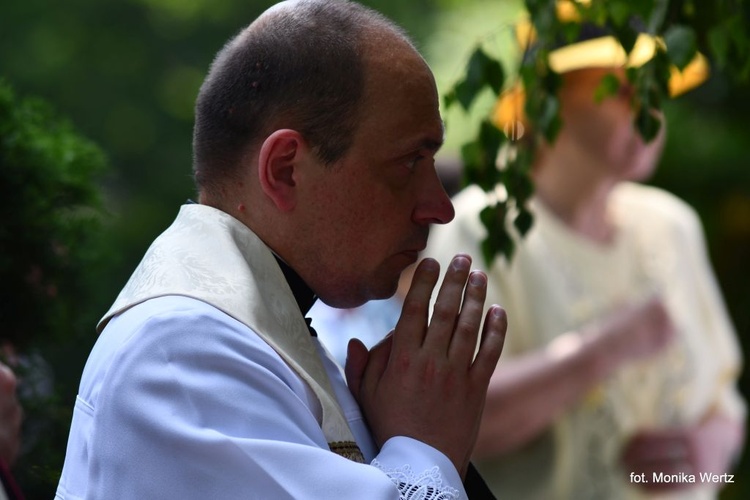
[247,284]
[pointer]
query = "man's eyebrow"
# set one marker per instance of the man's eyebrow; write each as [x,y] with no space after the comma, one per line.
[432,144]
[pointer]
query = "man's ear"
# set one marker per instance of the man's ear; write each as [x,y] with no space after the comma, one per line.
[278,161]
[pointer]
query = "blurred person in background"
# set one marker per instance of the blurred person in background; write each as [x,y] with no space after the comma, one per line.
[11,416]
[621,362]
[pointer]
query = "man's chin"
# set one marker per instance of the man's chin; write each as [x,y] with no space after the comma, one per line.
[378,291]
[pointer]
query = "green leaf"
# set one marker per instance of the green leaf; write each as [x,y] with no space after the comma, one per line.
[655,76]
[619,11]
[718,41]
[654,11]
[662,75]
[632,74]
[688,8]
[528,73]
[484,70]
[481,71]
[491,139]
[494,74]
[480,157]
[609,86]
[517,182]
[498,240]
[571,32]
[491,214]
[523,221]
[543,14]
[647,123]
[548,119]
[465,94]
[627,37]
[681,45]
[475,68]
[449,98]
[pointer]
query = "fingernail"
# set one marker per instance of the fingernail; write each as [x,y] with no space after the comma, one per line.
[477,278]
[429,265]
[460,263]
[497,311]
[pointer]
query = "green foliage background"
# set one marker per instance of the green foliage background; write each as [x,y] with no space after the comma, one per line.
[126,73]
[51,243]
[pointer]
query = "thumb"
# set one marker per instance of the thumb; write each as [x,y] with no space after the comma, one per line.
[356,361]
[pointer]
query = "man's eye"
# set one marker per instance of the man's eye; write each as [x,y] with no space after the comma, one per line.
[412,163]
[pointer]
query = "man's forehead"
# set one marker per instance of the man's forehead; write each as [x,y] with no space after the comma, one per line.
[431,141]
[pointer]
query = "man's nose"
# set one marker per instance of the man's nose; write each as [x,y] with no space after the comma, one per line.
[434,205]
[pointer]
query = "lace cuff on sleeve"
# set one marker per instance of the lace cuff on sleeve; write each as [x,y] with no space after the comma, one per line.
[427,485]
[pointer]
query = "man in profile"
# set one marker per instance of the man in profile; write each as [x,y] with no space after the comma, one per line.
[315,135]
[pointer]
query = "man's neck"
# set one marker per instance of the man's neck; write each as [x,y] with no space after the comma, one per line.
[303,294]
[578,198]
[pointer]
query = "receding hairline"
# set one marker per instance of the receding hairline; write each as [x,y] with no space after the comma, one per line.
[377,39]
[371,39]
[375,21]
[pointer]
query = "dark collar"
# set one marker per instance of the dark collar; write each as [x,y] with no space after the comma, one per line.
[303,294]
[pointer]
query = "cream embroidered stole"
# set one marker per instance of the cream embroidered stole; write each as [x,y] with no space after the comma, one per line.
[208,255]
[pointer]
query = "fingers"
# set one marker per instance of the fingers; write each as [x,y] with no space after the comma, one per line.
[432,365]
[457,313]
[447,305]
[364,368]
[491,345]
[412,323]
[356,360]
[377,362]
[464,340]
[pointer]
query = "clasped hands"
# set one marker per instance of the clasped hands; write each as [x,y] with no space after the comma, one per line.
[424,380]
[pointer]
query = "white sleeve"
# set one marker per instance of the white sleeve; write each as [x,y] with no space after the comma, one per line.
[718,325]
[418,470]
[191,404]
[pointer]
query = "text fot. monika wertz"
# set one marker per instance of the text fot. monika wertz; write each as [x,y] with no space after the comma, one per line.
[682,477]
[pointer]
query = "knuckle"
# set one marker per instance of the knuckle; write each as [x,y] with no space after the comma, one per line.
[442,313]
[466,328]
[412,306]
[430,371]
[440,375]
[473,306]
[403,361]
